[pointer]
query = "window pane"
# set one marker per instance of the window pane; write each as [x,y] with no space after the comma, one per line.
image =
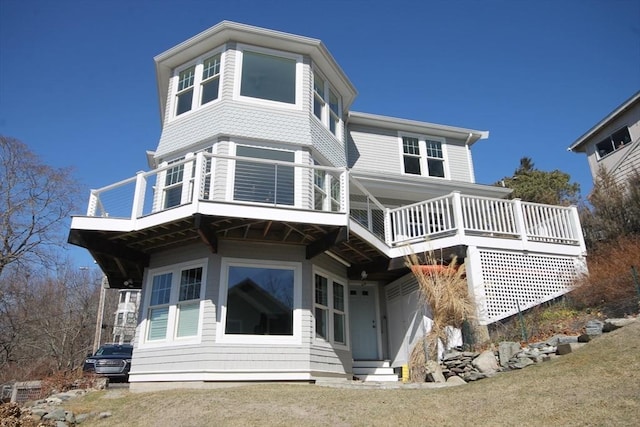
[621,138]
[161,289]
[158,323]
[321,322]
[210,90]
[436,167]
[268,77]
[322,295]
[318,85]
[434,149]
[261,182]
[338,296]
[211,67]
[317,107]
[185,78]
[172,196]
[410,145]
[334,103]
[190,281]
[184,102]
[412,165]
[260,301]
[188,320]
[338,327]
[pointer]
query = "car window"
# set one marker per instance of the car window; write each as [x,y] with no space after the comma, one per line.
[112,351]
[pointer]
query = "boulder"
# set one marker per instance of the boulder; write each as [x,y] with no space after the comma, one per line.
[486,362]
[594,328]
[568,348]
[613,324]
[455,380]
[521,362]
[506,350]
[434,372]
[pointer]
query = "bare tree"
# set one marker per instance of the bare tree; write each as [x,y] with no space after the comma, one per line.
[35,201]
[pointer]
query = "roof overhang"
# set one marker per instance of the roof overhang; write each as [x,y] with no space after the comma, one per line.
[227,31]
[421,188]
[578,144]
[468,135]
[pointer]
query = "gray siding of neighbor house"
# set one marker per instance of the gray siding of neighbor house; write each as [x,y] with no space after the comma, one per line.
[213,356]
[631,119]
[378,149]
[629,165]
[227,116]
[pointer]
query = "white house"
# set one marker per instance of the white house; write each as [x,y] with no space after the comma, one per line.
[269,236]
[614,142]
[125,320]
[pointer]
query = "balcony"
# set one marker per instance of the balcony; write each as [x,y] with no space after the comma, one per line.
[209,196]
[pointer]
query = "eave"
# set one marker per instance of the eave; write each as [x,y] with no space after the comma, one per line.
[468,135]
[227,31]
[578,144]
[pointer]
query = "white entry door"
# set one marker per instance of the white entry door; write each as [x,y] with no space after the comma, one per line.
[363,322]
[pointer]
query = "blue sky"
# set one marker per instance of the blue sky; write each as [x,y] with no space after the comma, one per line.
[77,79]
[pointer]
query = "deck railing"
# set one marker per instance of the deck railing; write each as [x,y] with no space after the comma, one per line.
[230,179]
[207,177]
[481,216]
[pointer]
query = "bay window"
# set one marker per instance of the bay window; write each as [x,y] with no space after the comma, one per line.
[173,308]
[329,309]
[423,156]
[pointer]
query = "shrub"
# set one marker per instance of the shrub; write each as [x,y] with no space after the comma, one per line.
[610,285]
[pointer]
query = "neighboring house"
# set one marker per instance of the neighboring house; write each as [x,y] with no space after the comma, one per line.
[269,237]
[126,316]
[614,143]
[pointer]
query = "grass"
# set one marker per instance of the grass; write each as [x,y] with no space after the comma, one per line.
[597,385]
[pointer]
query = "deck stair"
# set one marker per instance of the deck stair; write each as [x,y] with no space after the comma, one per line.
[374,370]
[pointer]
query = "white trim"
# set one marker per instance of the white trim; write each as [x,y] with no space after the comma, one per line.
[171,339]
[223,337]
[237,78]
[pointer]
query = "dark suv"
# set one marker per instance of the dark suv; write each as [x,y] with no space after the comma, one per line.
[111,360]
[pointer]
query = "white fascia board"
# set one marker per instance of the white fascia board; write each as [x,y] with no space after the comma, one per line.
[468,135]
[227,31]
[577,145]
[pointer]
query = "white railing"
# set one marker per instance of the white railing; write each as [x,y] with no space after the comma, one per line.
[216,178]
[481,216]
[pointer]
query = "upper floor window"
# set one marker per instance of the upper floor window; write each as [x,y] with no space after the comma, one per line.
[613,142]
[326,104]
[198,84]
[268,75]
[423,156]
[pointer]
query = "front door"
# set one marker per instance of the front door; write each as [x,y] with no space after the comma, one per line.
[364,323]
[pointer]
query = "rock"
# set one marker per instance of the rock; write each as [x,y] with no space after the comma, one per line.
[80,418]
[474,376]
[521,362]
[52,400]
[61,424]
[585,337]
[486,362]
[561,339]
[613,324]
[506,350]
[102,415]
[434,372]
[568,348]
[70,417]
[455,380]
[594,327]
[56,415]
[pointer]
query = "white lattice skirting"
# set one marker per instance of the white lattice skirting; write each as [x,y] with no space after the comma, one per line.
[512,280]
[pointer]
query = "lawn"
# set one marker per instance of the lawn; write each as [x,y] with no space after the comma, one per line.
[596,385]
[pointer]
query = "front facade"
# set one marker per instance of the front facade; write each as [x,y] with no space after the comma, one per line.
[614,142]
[269,237]
[125,319]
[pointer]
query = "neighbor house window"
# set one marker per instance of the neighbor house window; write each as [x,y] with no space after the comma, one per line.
[327,105]
[613,142]
[173,310]
[423,156]
[260,300]
[264,182]
[329,309]
[197,84]
[268,77]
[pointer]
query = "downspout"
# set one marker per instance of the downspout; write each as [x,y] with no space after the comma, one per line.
[469,160]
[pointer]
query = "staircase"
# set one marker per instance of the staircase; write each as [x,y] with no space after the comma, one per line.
[374,370]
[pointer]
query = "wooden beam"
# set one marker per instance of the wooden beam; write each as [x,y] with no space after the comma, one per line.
[328,241]
[206,232]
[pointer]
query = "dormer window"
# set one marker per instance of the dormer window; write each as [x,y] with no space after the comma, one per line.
[423,156]
[198,84]
[326,104]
